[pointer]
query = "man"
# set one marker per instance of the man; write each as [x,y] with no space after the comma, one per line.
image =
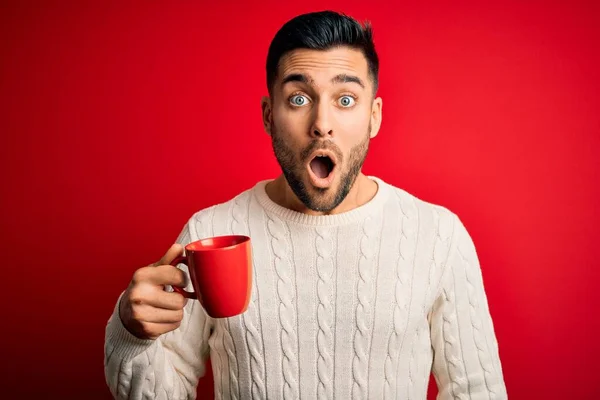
[360,289]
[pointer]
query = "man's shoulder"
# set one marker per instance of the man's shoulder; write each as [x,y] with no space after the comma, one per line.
[413,204]
[425,216]
[241,199]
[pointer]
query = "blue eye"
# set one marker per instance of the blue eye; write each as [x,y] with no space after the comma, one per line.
[298,100]
[346,101]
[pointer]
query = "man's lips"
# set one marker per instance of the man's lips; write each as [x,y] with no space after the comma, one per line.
[322,167]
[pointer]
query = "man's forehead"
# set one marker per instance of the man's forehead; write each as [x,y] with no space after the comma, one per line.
[324,64]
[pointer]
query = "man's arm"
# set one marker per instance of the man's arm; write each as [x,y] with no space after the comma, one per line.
[165,368]
[466,359]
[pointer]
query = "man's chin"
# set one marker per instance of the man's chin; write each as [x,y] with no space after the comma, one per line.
[320,199]
[314,198]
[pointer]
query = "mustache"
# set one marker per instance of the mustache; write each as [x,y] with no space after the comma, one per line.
[321,145]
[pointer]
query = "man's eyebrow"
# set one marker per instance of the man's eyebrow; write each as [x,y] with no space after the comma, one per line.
[296,78]
[345,78]
[340,78]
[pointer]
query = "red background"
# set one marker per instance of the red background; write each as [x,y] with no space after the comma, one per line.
[118,122]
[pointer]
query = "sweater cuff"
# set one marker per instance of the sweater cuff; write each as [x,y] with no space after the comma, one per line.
[124,344]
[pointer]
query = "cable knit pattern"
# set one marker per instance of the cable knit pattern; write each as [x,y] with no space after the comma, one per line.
[255,346]
[478,336]
[217,340]
[325,269]
[439,255]
[285,292]
[434,262]
[218,362]
[455,367]
[124,382]
[250,318]
[254,340]
[436,257]
[407,248]
[342,306]
[228,345]
[454,364]
[237,215]
[236,227]
[363,311]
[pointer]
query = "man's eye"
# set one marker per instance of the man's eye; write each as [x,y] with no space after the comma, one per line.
[298,100]
[346,101]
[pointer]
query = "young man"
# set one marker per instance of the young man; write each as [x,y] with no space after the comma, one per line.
[360,289]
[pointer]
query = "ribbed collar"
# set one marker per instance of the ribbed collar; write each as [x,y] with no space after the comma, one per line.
[358,214]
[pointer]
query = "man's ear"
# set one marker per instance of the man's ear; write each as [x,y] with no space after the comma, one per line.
[376,116]
[267,114]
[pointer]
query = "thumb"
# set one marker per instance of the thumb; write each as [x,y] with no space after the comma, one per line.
[174,251]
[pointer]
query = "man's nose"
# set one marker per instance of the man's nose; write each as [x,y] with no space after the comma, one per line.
[322,123]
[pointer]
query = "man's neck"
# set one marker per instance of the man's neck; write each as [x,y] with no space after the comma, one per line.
[363,190]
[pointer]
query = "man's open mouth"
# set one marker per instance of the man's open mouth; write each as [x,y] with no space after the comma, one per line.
[322,165]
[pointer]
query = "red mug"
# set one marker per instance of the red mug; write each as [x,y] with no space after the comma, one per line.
[220,269]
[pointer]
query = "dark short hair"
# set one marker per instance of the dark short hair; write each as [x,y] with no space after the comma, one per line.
[322,30]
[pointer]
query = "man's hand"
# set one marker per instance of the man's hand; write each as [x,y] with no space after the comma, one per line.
[146,309]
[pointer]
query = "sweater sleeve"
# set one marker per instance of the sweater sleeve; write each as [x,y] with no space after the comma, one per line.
[466,361]
[166,368]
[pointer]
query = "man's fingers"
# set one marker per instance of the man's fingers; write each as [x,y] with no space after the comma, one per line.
[167,301]
[174,251]
[168,275]
[149,314]
[160,276]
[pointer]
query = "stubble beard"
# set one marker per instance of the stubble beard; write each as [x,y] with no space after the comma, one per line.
[293,166]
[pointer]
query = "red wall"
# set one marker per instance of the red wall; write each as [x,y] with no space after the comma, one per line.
[118,122]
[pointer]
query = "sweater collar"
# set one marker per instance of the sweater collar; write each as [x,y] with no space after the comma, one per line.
[358,214]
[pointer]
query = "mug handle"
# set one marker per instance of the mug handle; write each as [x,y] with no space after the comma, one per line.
[183,292]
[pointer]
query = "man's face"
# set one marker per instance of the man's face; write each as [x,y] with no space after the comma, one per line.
[321,117]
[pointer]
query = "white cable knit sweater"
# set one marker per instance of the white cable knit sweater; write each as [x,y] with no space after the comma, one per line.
[359,305]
